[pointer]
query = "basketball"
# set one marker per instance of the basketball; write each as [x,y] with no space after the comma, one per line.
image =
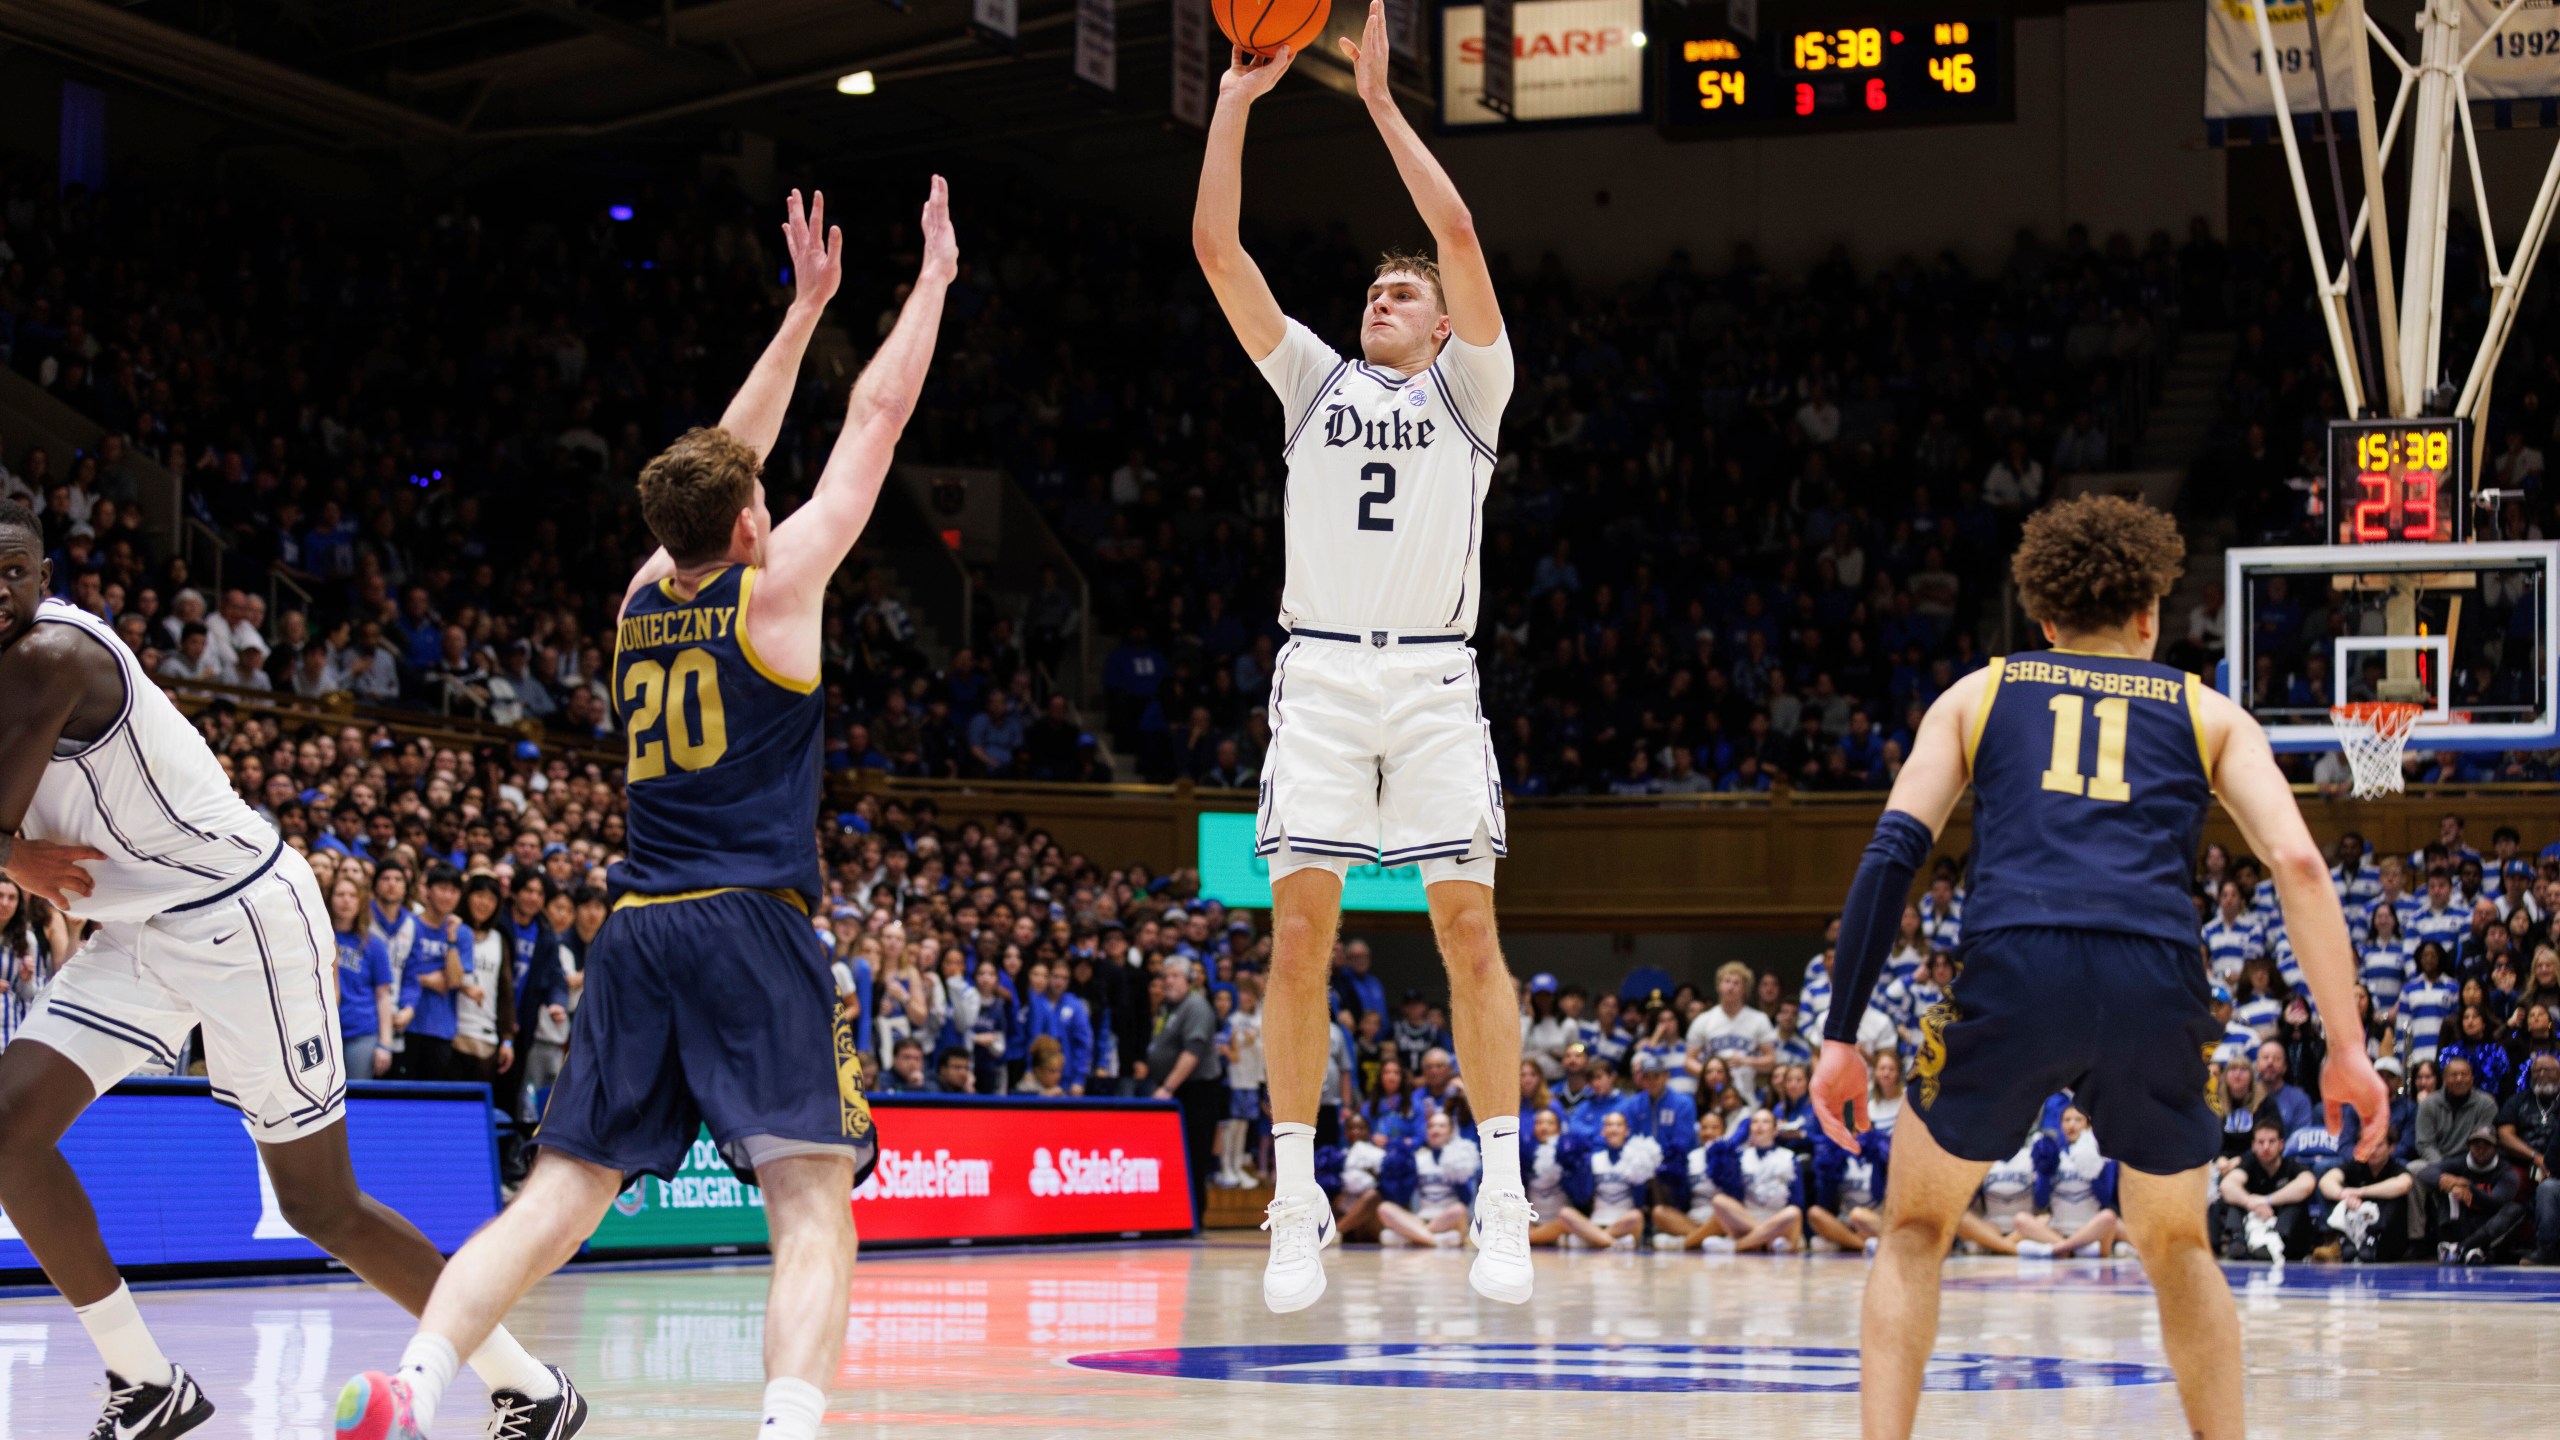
[1263,26]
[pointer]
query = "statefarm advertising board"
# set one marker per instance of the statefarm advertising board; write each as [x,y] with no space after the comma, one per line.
[952,1170]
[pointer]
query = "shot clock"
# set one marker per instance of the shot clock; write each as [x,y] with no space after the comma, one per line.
[1831,68]
[2392,481]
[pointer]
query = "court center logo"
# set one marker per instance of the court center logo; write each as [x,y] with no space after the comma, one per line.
[1762,1369]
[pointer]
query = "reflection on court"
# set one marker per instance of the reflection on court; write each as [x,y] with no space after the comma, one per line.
[1174,1340]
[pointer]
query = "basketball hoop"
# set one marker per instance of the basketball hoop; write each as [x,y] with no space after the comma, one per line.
[2374,733]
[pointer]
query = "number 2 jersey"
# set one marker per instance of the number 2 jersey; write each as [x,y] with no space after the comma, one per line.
[724,751]
[1387,478]
[2089,796]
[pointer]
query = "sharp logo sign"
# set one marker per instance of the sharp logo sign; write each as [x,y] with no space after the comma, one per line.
[1572,60]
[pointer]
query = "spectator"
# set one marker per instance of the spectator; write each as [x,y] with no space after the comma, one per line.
[2264,1200]
[1186,1069]
[2481,1209]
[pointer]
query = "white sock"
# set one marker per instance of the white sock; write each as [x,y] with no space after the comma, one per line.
[427,1365]
[124,1342]
[1498,1140]
[792,1409]
[1293,1153]
[2035,1250]
[506,1365]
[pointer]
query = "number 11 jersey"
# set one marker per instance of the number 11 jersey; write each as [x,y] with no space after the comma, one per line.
[1387,478]
[722,751]
[2089,796]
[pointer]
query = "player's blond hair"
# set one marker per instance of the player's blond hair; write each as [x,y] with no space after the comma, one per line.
[1414,262]
[692,493]
[2096,562]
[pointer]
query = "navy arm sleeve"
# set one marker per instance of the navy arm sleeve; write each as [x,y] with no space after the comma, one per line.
[1874,912]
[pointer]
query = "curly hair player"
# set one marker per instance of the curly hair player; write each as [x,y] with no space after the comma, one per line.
[1379,746]
[2091,768]
[715,678]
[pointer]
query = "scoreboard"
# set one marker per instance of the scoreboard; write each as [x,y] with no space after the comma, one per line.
[2393,481]
[1833,68]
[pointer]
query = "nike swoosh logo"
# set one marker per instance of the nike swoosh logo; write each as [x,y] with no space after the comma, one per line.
[1454,679]
[227,939]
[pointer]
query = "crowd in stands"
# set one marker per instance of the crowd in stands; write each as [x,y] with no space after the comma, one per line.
[1745,525]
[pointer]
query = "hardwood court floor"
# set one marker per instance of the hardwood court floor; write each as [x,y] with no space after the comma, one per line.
[1173,1340]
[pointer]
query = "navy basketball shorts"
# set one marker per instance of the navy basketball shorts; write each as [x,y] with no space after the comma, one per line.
[2124,1022]
[718,1010]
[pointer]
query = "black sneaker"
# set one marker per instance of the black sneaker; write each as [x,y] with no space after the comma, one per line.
[152,1412]
[514,1416]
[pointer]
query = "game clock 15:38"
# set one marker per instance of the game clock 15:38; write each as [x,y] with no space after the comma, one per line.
[2398,480]
[1830,68]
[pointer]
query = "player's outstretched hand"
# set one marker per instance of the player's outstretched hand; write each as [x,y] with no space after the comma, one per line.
[941,243]
[2347,1081]
[1250,77]
[1840,1085]
[1369,55]
[57,873]
[816,250]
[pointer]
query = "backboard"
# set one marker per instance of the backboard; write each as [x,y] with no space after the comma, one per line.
[2464,630]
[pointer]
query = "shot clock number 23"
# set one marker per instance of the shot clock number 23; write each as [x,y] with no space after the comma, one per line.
[2398,480]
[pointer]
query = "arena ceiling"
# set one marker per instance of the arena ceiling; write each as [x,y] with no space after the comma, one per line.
[471,81]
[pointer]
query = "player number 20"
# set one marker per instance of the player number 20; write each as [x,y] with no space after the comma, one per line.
[655,692]
[2063,772]
[1384,477]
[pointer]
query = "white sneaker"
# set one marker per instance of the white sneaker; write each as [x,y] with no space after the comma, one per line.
[1393,1239]
[2034,1250]
[2123,1250]
[1871,1247]
[1501,1233]
[1717,1245]
[1623,1242]
[1665,1240]
[1301,1226]
[1782,1246]
[1449,1240]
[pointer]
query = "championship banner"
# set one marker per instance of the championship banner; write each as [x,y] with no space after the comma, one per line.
[952,1169]
[2235,77]
[177,1184]
[998,22]
[1195,79]
[2521,61]
[1571,60]
[1098,43]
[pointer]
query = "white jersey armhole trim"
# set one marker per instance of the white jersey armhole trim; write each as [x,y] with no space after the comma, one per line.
[125,668]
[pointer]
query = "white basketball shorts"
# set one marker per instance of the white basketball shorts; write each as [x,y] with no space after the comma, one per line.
[1380,754]
[255,966]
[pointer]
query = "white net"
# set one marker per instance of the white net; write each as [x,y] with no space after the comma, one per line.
[2375,734]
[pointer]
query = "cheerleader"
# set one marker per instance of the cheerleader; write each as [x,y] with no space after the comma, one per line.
[1621,1169]
[2077,1189]
[1760,1196]
[1847,1191]
[2010,1189]
[1689,1220]
[1350,1175]
[1884,1093]
[1557,1170]
[1433,1209]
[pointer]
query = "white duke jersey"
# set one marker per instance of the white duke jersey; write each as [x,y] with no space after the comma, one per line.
[150,794]
[1387,477]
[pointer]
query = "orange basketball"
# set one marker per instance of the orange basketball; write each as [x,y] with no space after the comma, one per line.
[1263,26]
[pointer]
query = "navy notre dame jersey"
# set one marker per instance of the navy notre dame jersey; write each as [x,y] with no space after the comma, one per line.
[2090,791]
[724,752]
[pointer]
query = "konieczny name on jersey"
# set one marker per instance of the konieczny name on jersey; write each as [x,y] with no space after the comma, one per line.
[675,627]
